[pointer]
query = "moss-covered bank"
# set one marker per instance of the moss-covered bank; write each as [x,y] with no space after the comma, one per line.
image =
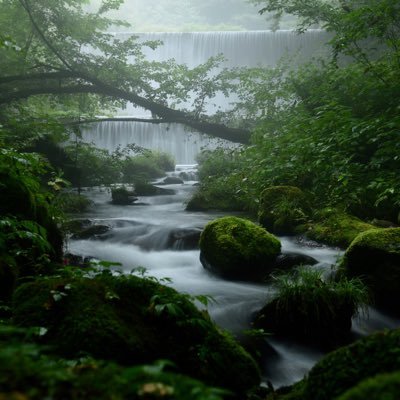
[132,320]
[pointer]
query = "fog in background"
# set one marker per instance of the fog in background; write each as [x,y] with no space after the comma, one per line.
[191,15]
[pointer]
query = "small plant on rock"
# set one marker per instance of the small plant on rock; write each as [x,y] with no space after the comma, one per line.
[313,309]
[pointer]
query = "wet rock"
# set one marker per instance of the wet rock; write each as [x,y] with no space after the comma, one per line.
[122,196]
[170,239]
[77,261]
[92,232]
[132,320]
[147,189]
[287,261]
[172,180]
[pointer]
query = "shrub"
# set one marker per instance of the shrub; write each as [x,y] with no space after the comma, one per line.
[282,209]
[146,166]
[308,308]
[73,203]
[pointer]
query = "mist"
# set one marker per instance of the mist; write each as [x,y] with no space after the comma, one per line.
[192,16]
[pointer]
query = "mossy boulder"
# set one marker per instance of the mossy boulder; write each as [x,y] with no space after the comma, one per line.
[144,188]
[312,310]
[27,371]
[336,228]
[344,368]
[380,387]
[132,321]
[282,209]
[375,257]
[237,248]
[122,196]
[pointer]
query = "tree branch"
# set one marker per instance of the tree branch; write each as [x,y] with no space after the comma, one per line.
[166,114]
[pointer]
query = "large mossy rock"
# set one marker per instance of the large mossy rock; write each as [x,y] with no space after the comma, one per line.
[282,209]
[27,371]
[132,321]
[238,249]
[374,256]
[346,367]
[336,228]
[380,387]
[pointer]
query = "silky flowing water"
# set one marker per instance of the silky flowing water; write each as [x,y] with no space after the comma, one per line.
[138,238]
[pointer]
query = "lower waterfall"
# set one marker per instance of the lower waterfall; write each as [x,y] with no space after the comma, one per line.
[170,138]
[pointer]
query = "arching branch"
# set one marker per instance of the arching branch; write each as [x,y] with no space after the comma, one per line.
[95,86]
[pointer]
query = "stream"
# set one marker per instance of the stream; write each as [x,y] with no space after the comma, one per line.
[138,237]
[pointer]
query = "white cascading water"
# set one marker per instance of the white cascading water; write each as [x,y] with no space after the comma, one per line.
[241,49]
[174,139]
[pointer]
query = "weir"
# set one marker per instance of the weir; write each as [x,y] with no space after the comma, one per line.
[240,49]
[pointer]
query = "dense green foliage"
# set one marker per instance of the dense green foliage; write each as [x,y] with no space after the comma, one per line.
[282,209]
[330,127]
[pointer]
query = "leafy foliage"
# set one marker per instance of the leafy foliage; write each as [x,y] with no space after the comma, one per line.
[329,127]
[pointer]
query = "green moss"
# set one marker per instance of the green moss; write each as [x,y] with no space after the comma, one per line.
[336,228]
[375,257]
[282,209]
[27,372]
[313,310]
[380,387]
[132,320]
[346,367]
[238,248]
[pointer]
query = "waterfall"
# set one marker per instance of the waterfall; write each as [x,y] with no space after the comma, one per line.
[241,49]
[171,138]
[251,49]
